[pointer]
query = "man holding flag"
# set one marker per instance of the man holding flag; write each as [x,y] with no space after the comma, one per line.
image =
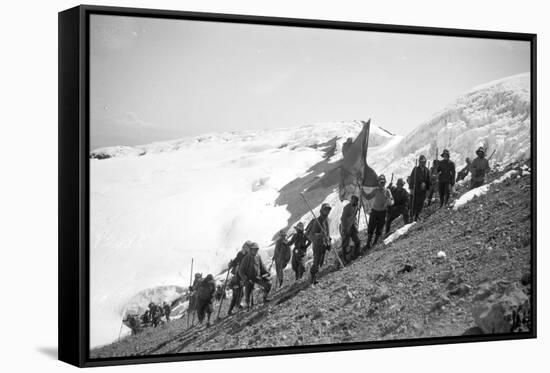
[357,178]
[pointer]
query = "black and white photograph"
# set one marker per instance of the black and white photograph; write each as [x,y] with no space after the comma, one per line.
[256,187]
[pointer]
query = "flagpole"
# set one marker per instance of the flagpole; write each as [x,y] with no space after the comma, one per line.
[363,178]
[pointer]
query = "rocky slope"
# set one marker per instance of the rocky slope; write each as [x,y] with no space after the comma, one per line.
[399,291]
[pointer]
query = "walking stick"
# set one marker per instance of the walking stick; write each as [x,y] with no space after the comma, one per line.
[322,228]
[223,293]
[413,207]
[189,302]
[191,274]
[361,205]
[493,153]
[120,331]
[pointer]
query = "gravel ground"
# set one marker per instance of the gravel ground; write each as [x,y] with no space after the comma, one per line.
[399,291]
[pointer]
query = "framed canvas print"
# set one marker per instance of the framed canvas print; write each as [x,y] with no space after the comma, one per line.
[233,186]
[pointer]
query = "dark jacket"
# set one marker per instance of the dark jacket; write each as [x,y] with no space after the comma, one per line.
[282,252]
[206,289]
[419,175]
[251,267]
[300,242]
[234,264]
[400,196]
[479,168]
[196,283]
[446,171]
[316,234]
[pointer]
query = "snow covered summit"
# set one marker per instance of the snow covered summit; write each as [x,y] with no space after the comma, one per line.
[496,115]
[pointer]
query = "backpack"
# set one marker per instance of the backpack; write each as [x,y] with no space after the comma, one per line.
[204,291]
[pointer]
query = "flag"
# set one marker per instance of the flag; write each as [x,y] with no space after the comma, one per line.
[355,171]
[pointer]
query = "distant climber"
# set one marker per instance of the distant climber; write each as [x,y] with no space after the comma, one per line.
[479,168]
[382,199]
[236,283]
[446,171]
[155,313]
[318,233]
[205,294]
[146,318]
[132,321]
[166,311]
[252,271]
[400,204]
[434,181]
[196,281]
[420,182]
[220,293]
[192,296]
[301,243]
[281,256]
[465,170]
[348,229]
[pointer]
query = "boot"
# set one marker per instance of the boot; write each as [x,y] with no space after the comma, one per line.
[375,240]
[313,278]
[368,245]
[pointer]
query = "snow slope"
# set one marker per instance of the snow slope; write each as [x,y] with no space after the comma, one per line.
[156,206]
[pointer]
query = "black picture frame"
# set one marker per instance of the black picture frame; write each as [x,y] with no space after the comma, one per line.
[74,180]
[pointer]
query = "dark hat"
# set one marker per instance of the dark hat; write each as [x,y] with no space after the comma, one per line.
[445,153]
[247,244]
[400,181]
[197,275]
[325,206]
[299,226]
[421,158]
[254,245]
[382,177]
[354,197]
[480,150]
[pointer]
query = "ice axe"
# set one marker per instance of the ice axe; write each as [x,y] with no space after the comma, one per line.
[413,190]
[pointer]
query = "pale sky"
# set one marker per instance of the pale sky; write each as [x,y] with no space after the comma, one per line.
[159,79]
